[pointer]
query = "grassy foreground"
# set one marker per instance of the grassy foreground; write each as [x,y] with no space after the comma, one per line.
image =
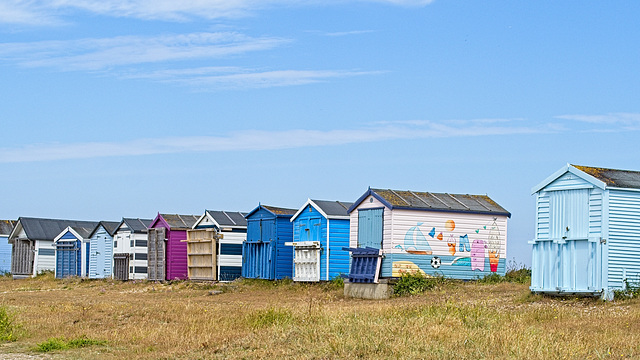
[101,319]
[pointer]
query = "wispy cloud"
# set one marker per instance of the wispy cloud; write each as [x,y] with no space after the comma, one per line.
[263,140]
[43,12]
[103,53]
[348,33]
[608,122]
[125,56]
[239,78]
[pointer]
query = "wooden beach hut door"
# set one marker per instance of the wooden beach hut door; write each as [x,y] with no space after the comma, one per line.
[578,265]
[370,228]
[156,254]
[121,267]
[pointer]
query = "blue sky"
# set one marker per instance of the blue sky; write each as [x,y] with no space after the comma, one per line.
[119,108]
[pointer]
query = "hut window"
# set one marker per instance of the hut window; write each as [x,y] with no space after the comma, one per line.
[142,243]
[115,243]
[141,269]
[131,242]
[141,256]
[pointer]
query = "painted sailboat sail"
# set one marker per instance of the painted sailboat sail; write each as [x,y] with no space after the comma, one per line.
[415,242]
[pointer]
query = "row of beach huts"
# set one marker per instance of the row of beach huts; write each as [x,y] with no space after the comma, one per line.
[587,239]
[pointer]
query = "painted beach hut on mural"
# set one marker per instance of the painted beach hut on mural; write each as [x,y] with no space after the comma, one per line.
[587,231]
[5,247]
[320,232]
[101,253]
[264,253]
[32,244]
[216,254]
[72,251]
[167,250]
[457,236]
[130,249]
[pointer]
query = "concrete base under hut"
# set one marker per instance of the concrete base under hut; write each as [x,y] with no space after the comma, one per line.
[382,290]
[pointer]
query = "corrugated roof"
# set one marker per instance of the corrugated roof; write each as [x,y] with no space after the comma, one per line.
[440,201]
[6,226]
[333,208]
[280,211]
[176,221]
[228,218]
[136,225]
[48,229]
[613,177]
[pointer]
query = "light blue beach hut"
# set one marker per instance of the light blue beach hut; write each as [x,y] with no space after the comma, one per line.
[101,250]
[587,231]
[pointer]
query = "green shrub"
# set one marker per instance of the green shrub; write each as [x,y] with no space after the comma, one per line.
[415,283]
[61,344]
[631,290]
[7,325]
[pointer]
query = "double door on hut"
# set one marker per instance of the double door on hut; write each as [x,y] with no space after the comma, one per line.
[567,258]
[157,255]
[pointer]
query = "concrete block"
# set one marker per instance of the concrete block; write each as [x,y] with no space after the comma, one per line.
[381,290]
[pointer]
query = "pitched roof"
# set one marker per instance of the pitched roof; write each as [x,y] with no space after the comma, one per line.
[176,221]
[417,200]
[228,218]
[278,211]
[109,226]
[333,208]
[6,226]
[328,209]
[48,229]
[613,177]
[136,225]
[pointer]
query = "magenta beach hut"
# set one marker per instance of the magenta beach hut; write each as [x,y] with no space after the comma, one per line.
[167,256]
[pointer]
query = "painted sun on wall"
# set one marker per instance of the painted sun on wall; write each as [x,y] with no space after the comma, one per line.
[428,248]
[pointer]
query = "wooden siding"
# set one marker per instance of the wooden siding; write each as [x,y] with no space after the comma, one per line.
[5,255]
[624,238]
[22,256]
[127,241]
[156,259]
[457,245]
[44,262]
[100,254]
[265,255]
[201,255]
[369,203]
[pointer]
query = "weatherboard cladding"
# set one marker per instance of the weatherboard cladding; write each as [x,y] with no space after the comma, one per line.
[331,253]
[71,250]
[6,226]
[37,235]
[265,255]
[101,250]
[587,234]
[233,226]
[130,237]
[176,248]
[432,233]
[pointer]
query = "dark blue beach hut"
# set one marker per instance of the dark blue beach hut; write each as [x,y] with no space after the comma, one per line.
[264,253]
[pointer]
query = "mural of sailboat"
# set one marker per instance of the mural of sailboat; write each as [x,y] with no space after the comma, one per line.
[415,242]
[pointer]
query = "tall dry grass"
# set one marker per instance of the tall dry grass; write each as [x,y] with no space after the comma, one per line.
[257,319]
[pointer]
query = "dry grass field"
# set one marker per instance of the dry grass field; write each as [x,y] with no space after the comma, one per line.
[259,319]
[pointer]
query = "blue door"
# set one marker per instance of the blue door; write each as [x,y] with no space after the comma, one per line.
[370,228]
[67,259]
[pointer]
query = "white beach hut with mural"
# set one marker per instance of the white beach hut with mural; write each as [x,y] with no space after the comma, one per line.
[454,235]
